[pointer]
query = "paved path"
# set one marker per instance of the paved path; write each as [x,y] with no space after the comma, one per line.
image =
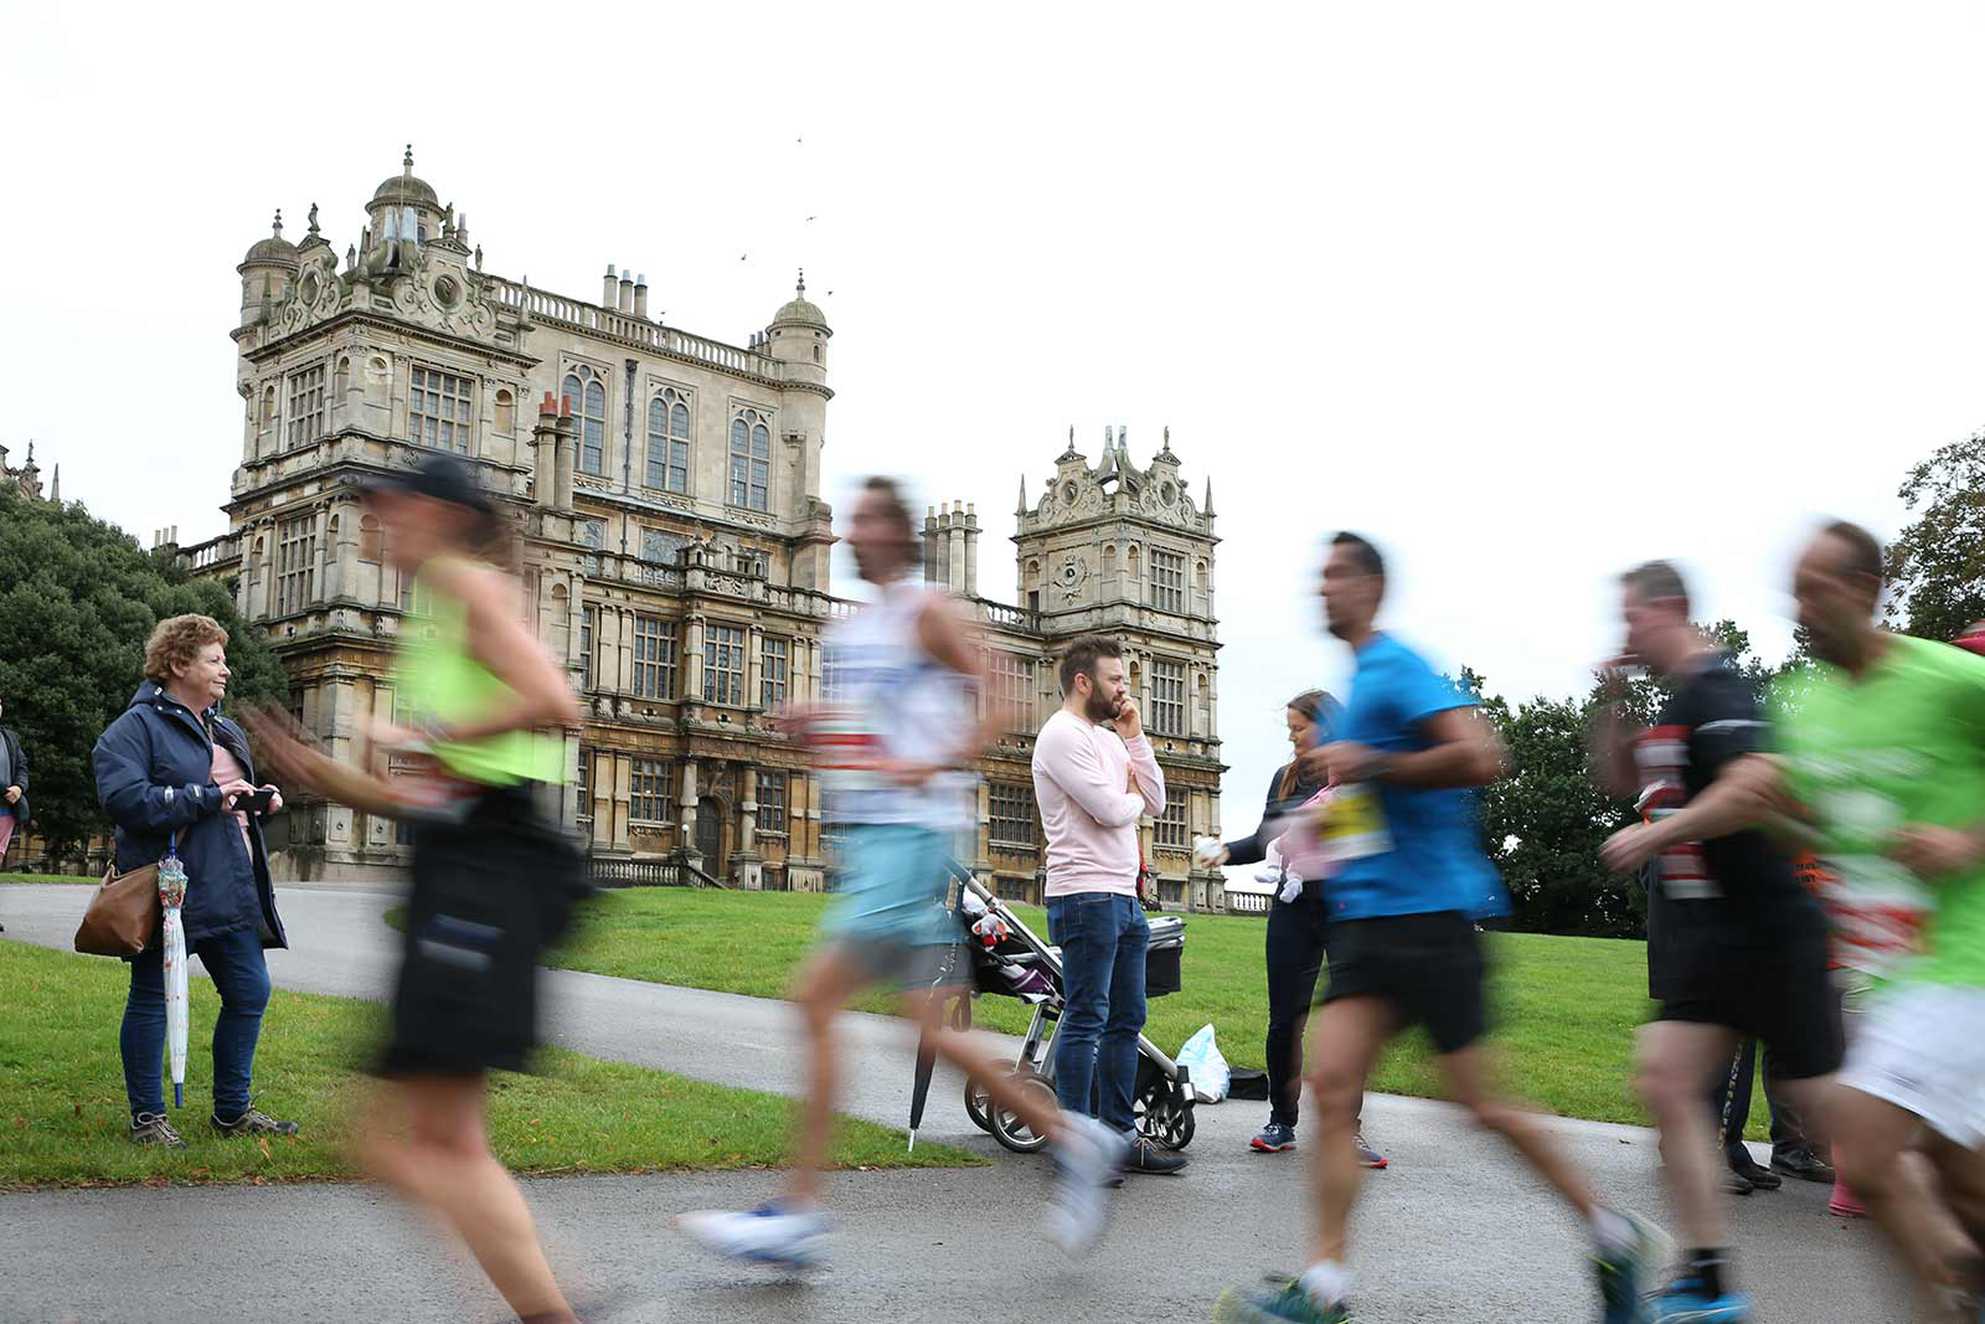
[1454,1231]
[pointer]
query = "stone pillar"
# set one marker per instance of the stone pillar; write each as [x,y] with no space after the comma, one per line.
[692,662]
[620,793]
[686,813]
[747,869]
[754,666]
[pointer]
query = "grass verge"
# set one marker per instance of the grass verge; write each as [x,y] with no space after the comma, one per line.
[63,1111]
[47,878]
[1566,1008]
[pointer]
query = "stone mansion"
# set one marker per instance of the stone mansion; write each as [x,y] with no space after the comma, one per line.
[667,490]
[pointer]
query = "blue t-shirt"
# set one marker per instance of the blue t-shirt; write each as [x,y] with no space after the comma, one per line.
[1435,861]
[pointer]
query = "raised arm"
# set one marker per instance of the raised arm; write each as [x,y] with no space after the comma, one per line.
[1071,763]
[1253,848]
[1611,740]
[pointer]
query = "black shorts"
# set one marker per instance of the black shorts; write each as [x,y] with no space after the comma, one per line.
[488,893]
[1428,968]
[1785,998]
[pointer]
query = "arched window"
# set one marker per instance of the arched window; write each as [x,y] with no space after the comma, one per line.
[268,405]
[589,405]
[751,460]
[1110,559]
[342,382]
[506,412]
[668,441]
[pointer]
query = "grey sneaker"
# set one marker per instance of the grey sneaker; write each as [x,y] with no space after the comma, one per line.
[153,1129]
[254,1122]
[1086,1159]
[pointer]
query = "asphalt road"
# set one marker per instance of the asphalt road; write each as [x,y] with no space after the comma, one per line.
[1455,1230]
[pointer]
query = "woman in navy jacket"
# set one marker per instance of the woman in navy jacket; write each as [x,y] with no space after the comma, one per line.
[172,772]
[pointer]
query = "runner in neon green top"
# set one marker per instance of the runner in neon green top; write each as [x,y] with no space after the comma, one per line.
[1884,770]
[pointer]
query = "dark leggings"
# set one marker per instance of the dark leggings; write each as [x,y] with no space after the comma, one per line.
[1298,940]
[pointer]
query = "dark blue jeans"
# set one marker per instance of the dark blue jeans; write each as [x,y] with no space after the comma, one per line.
[241,976]
[1102,936]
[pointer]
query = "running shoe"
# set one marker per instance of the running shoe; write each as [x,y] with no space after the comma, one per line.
[1273,1139]
[1150,1159]
[1085,1161]
[1281,1301]
[1803,1164]
[771,1234]
[1686,1302]
[1623,1271]
[254,1122]
[1367,1156]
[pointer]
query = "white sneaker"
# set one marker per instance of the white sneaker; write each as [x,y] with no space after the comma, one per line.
[1087,1158]
[770,1234]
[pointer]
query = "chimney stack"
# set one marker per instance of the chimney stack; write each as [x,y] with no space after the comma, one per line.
[957,549]
[626,293]
[544,445]
[641,296]
[971,550]
[609,289]
[566,453]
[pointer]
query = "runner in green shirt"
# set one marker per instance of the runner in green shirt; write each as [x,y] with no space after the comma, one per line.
[1882,772]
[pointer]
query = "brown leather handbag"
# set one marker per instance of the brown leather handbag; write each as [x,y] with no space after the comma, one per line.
[124,913]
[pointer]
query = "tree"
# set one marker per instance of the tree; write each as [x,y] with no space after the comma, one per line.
[1937,566]
[77,599]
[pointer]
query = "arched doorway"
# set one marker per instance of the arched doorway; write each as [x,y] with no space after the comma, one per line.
[710,835]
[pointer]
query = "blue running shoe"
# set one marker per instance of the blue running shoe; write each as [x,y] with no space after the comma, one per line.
[771,1234]
[1686,1302]
[1281,1301]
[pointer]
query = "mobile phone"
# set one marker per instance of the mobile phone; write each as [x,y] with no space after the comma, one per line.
[257,802]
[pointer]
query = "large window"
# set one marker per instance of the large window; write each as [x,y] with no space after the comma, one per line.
[1167,697]
[1168,830]
[1010,682]
[589,619]
[588,395]
[751,460]
[723,665]
[774,671]
[651,797]
[306,405]
[584,816]
[668,441]
[439,409]
[654,657]
[1168,581]
[296,564]
[772,803]
[1014,817]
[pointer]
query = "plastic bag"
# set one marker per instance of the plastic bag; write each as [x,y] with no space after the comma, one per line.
[1210,1073]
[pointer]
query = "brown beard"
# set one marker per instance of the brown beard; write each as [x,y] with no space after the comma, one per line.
[1099,709]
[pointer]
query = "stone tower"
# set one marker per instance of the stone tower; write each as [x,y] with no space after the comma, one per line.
[1123,551]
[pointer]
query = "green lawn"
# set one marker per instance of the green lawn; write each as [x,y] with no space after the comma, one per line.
[46,878]
[63,1111]
[1566,1007]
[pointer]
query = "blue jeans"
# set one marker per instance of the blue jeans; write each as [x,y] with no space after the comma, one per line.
[1102,936]
[241,976]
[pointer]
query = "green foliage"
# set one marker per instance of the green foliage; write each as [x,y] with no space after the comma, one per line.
[1936,568]
[77,599]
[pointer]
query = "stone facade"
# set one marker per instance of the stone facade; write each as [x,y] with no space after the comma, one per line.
[666,488]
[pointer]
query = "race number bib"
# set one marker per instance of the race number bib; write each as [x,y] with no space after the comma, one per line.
[1351,824]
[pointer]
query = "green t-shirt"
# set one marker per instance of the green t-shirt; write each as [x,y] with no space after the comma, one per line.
[1904,744]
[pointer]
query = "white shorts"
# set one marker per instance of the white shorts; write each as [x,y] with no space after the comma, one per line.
[1921,1047]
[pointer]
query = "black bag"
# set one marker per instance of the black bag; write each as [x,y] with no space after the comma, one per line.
[1245,1084]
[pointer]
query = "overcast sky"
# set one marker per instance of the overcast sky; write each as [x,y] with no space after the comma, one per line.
[1526,292]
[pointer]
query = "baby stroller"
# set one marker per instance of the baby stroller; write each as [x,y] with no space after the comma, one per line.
[1009,960]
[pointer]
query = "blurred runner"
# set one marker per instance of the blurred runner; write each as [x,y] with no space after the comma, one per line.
[896,739]
[1411,881]
[1736,945]
[1883,774]
[493,882]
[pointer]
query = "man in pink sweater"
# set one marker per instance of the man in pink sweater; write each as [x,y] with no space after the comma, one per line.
[1094,777]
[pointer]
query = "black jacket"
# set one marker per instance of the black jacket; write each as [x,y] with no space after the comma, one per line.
[1253,848]
[154,777]
[18,757]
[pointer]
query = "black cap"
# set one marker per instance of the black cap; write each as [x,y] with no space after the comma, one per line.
[438,476]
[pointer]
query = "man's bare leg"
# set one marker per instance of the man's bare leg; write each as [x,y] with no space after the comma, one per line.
[973,1055]
[1872,1140]
[1677,1059]
[1470,1075]
[825,985]
[1346,1038]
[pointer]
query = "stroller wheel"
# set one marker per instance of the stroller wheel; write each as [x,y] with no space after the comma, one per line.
[1009,1130]
[977,1106]
[1162,1118]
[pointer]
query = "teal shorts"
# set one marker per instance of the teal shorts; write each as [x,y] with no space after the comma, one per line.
[893,883]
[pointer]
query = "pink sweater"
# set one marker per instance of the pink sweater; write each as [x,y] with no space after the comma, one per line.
[1080,772]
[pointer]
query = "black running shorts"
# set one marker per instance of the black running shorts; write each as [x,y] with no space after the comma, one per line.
[1429,968]
[1785,998]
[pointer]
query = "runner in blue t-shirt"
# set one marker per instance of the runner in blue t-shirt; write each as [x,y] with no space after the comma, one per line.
[1410,883]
